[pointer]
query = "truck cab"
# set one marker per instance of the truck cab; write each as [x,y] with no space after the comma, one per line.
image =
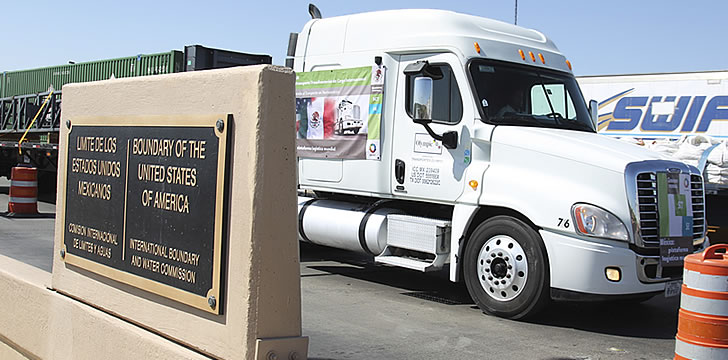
[490,167]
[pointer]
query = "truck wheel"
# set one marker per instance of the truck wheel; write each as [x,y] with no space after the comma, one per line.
[506,268]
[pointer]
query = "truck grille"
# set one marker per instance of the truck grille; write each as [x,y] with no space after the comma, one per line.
[648,215]
[647,202]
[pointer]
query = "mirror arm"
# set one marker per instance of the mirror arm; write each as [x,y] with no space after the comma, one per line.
[449,138]
[425,123]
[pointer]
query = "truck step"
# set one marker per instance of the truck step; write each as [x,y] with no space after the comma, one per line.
[414,264]
[407,263]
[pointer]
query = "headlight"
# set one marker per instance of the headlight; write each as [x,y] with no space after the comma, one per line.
[594,221]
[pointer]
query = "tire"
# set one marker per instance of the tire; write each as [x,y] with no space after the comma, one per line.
[505,250]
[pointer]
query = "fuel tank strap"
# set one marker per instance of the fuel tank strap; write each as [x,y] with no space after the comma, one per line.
[363,224]
[300,219]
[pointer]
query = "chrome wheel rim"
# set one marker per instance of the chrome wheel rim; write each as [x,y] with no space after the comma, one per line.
[502,268]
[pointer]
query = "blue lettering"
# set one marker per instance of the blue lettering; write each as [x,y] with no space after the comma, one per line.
[660,122]
[692,116]
[630,117]
[715,110]
[680,108]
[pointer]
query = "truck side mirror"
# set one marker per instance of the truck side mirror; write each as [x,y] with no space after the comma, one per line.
[422,107]
[422,100]
[594,112]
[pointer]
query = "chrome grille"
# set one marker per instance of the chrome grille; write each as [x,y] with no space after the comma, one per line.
[647,202]
[641,183]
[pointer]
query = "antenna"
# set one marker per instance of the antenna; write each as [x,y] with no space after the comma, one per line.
[314,11]
[515,20]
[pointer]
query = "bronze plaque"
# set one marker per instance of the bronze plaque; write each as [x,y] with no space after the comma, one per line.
[144,203]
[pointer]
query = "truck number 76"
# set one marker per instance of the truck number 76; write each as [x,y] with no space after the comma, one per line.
[565,223]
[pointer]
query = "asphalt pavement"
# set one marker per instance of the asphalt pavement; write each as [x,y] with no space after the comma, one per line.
[28,239]
[353,308]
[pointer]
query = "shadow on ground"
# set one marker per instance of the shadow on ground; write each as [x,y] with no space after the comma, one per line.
[654,319]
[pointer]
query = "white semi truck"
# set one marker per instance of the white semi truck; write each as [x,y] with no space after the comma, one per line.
[488,165]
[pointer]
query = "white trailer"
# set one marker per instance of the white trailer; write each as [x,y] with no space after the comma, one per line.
[660,105]
[482,159]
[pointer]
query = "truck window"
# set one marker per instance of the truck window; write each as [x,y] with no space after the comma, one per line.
[560,100]
[447,105]
[523,95]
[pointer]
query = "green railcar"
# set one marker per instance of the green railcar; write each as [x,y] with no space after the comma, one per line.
[32,81]
[23,92]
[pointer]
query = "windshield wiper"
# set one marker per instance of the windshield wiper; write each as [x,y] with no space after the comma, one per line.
[548,99]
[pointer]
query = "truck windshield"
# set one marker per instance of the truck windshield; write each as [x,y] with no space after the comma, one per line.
[511,94]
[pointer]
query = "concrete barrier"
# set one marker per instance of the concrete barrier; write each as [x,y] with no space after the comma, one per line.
[39,323]
[257,311]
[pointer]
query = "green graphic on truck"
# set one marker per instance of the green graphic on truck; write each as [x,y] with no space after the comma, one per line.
[338,113]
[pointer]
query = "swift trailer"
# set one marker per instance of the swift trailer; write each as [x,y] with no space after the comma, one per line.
[478,156]
[655,106]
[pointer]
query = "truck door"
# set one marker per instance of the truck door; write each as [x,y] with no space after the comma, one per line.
[422,167]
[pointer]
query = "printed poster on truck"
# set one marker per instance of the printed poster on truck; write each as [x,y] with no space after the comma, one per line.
[338,113]
[675,214]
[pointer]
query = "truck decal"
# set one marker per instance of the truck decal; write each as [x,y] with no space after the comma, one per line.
[424,143]
[662,116]
[338,113]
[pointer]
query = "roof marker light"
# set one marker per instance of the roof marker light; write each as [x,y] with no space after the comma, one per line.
[477,47]
[568,63]
[473,184]
[533,57]
[540,56]
[523,56]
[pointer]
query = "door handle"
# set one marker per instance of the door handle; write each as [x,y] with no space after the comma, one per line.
[399,171]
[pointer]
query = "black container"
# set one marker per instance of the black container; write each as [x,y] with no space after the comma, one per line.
[198,57]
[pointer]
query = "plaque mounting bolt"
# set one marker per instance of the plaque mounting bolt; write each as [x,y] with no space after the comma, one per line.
[63,254]
[212,302]
[220,125]
[68,124]
[271,355]
[294,356]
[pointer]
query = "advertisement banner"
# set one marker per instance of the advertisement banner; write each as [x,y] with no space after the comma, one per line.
[674,211]
[338,113]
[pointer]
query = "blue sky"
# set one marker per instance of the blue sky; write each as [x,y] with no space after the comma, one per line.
[599,37]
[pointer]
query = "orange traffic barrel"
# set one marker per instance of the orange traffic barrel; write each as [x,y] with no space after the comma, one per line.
[23,191]
[702,330]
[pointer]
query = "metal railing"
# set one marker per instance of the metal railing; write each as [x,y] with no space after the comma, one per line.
[17,113]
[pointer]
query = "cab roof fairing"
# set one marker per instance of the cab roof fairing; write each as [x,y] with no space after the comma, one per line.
[408,31]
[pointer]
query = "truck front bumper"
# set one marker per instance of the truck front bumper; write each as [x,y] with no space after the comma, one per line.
[580,266]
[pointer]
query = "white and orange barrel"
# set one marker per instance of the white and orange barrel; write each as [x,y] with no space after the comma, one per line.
[702,330]
[23,191]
